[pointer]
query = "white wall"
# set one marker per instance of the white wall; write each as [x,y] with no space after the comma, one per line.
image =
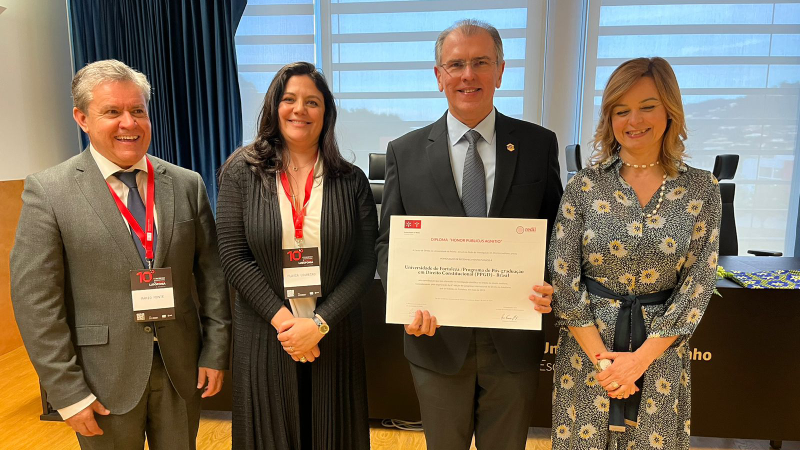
[36,126]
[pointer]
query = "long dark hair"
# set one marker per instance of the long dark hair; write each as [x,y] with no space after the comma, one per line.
[268,154]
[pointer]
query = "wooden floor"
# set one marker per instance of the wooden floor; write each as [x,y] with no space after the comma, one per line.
[22,429]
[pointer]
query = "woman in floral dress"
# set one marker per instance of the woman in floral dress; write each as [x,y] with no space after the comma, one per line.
[633,260]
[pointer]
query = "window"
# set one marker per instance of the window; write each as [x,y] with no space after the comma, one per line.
[738,65]
[378,57]
[271,34]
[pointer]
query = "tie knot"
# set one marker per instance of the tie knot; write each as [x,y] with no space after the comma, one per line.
[128,178]
[472,136]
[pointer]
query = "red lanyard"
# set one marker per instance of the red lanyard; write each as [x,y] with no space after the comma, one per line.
[298,218]
[145,239]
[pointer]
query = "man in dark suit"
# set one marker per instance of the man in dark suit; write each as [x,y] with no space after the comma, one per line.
[80,237]
[473,161]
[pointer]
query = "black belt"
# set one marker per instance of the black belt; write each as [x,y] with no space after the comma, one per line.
[629,335]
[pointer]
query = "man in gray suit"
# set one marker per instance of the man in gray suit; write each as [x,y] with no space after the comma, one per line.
[476,162]
[113,377]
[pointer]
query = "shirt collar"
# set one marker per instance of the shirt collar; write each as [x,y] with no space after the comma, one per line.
[456,129]
[610,162]
[108,168]
[319,165]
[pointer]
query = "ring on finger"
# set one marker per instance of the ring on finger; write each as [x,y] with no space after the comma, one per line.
[303,359]
[614,385]
[291,349]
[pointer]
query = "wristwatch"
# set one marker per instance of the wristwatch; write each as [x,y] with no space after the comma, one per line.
[323,327]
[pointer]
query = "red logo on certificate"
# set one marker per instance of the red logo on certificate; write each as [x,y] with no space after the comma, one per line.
[417,224]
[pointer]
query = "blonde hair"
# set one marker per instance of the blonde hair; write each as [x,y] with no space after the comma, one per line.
[105,71]
[604,144]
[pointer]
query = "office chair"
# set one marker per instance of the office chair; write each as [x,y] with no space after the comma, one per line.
[377,173]
[573,156]
[725,169]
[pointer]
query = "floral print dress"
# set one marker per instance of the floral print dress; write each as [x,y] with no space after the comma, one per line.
[602,232]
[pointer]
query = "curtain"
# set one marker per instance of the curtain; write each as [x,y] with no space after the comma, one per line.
[186,49]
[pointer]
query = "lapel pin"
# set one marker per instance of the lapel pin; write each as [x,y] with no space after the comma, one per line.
[510,147]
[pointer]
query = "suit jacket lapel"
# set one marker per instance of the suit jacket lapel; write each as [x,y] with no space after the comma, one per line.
[95,190]
[441,170]
[165,206]
[506,162]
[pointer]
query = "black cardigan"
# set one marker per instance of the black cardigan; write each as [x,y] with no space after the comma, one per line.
[265,404]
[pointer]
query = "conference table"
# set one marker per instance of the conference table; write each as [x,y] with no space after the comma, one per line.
[745,364]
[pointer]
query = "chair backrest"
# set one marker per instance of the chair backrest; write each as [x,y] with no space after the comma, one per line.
[377,192]
[725,169]
[725,166]
[376,175]
[377,166]
[573,156]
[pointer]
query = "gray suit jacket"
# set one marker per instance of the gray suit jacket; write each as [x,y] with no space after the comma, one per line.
[70,285]
[419,182]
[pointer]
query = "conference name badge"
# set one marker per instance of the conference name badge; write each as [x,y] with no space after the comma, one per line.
[152,294]
[301,275]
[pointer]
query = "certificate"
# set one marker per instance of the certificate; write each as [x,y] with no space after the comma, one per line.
[467,271]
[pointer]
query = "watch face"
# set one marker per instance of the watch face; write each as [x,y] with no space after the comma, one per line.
[324,328]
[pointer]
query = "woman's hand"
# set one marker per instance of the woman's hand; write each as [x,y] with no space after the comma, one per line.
[309,356]
[543,297]
[304,357]
[623,392]
[619,380]
[299,338]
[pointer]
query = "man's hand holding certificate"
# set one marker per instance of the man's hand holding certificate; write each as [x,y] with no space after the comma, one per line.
[470,272]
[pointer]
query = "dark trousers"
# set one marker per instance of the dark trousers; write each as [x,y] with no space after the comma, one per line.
[168,421]
[482,398]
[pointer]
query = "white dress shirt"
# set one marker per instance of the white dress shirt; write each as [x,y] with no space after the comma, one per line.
[486,146]
[303,307]
[108,169]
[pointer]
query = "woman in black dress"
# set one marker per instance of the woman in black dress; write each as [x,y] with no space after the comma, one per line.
[298,363]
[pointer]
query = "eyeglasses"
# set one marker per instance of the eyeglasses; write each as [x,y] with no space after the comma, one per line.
[456,67]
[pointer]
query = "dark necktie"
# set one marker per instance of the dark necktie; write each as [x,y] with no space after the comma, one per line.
[137,209]
[473,186]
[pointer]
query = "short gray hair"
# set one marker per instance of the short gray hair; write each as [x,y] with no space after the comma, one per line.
[105,71]
[468,27]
